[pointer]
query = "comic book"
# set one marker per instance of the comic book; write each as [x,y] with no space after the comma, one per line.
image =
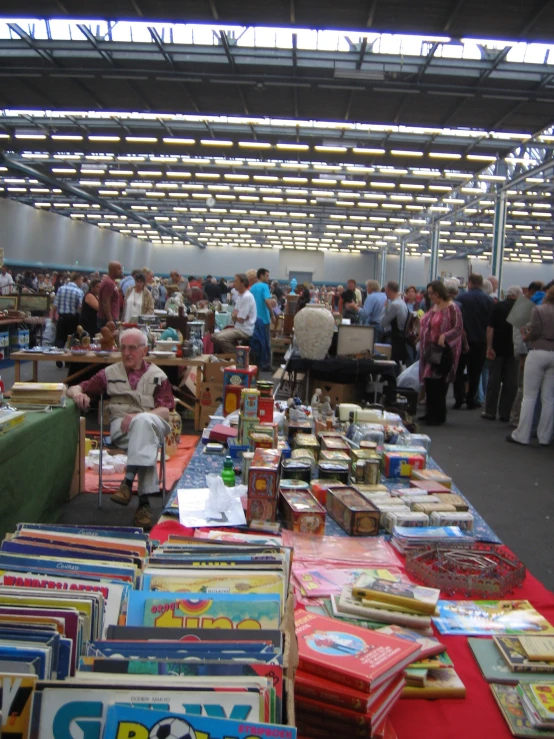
[16,697]
[516,658]
[323,582]
[214,610]
[513,711]
[59,705]
[134,723]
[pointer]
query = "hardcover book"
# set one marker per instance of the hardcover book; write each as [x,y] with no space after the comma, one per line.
[495,668]
[347,654]
[516,657]
[538,648]
[441,683]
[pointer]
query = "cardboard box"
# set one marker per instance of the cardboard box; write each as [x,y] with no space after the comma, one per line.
[340,392]
[401,464]
[354,514]
[210,393]
[213,371]
[205,412]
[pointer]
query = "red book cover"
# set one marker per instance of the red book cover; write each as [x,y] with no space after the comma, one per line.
[221,433]
[327,691]
[323,711]
[348,654]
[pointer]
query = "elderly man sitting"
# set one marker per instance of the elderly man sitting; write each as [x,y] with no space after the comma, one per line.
[140,401]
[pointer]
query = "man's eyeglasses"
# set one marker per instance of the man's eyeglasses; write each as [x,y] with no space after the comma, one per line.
[131,347]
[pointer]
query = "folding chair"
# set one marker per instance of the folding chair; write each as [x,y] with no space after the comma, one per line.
[103,407]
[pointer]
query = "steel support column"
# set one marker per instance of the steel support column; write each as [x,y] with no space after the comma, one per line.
[383,267]
[402,265]
[435,241]
[498,236]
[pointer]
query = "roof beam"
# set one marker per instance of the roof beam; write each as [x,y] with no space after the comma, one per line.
[371,13]
[533,18]
[292,12]
[16,28]
[136,7]
[159,43]
[90,38]
[455,9]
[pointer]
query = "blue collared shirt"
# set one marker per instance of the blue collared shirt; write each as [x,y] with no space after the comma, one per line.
[372,309]
[69,298]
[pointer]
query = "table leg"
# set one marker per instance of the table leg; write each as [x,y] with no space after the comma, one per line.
[35,371]
[17,370]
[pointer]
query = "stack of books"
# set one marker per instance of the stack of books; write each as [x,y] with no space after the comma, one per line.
[81,645]
[390,598]
[37,394]
[348,678]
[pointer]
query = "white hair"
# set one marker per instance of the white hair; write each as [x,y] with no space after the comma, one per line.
[141,338]
[487,287]
[514,291]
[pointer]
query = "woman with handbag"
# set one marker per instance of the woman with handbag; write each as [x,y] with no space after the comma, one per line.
[439,350]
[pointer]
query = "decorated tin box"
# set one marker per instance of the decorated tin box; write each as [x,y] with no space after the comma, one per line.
[263,475]
[261,509]
[318,488]
[302,513]
[338,470]
[249,398]
[435,475]
[354,514]
[401,464]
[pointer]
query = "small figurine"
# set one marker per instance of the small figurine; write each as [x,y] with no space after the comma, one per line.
[295,410]
[80,339]
[316,400]
[109,333]
[326,409]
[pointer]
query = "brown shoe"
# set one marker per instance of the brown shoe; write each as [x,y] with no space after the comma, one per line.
[123,495]
[143,517]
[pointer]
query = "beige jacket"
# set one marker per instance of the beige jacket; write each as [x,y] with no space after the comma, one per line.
[123,399]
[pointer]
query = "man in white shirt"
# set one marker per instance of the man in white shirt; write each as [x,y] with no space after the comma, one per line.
[6,281]
[244,318]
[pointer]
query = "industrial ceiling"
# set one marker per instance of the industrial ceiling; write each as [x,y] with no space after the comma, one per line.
[284,137]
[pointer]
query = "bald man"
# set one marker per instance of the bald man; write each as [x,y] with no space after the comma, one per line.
[109,302]
[140,401]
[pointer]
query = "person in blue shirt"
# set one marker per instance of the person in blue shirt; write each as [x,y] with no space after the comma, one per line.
[262,296]
[372,310]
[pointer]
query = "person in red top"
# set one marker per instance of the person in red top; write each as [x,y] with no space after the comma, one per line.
[109,301]
[140,401]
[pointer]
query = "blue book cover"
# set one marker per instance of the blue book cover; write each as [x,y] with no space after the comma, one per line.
[199,610]
[122,532]
[62,566]
[35,638]
[126,723]
[169,650]
[27,654]
[24,546]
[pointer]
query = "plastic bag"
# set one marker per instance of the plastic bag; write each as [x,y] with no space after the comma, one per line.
[409,378]
[222,499]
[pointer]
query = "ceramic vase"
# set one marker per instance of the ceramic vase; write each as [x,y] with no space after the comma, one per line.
[313,328]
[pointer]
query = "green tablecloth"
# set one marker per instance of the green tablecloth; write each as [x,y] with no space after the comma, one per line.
[36,466]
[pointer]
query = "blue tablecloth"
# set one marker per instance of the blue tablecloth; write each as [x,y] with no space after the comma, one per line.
[202,464]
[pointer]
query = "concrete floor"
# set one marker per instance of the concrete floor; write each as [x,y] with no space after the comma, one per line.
[511,486]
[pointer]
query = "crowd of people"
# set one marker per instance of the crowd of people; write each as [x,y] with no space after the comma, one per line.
[458,337]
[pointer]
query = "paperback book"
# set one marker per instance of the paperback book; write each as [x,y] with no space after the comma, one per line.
[487,617]
[509,702]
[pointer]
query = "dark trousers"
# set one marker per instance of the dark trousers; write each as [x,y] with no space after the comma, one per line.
[503,376]
[66,324]
[474,361]
[435,392]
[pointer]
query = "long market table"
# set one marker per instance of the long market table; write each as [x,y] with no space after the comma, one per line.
[344,370]
[475,717]
[90,359]
[37,460]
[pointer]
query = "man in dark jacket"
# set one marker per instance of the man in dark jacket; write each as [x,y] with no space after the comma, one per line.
[504,364]
[476,307]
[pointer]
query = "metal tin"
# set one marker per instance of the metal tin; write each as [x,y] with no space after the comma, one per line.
[359,471]
[266,388]
[338,470]
[288,485]
[242,357]
[372,471]
[247,458]
[297,469]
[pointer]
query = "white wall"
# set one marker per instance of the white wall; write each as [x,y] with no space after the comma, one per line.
[33,237]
